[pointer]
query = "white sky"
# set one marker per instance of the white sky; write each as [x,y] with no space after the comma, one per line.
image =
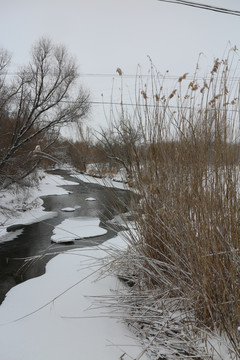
[107,34]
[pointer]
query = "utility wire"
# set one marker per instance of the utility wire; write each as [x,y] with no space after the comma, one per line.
[204,6]
[140,105]
[105,75]
[134,104]
[139,76]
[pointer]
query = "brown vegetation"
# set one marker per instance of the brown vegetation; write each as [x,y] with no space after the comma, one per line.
[41,98]
[186,172]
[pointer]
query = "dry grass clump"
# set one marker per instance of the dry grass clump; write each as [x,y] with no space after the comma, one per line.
[186,243]
[164,323]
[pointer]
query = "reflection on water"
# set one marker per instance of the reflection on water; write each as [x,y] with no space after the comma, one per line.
[35,239]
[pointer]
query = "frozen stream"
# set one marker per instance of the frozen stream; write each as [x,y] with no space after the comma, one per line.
[36,238]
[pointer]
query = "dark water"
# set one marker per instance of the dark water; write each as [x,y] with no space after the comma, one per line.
[36,238]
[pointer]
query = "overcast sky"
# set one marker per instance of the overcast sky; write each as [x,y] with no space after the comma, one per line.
[106,34]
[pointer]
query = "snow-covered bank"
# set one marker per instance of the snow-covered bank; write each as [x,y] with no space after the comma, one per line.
[101,181]
[54,316]
[25,207]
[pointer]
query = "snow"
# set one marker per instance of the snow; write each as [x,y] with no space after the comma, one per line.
[100,181]
[56,315]
[51,185]
[90,199]
[25,207]
[10,236]
[77,228]
[60,315]
[68,209]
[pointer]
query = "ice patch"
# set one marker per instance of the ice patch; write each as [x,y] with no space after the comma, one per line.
[77,228]
[71,209]
[90,199]
[68,209]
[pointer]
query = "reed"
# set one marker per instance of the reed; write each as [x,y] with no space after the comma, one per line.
[184,250]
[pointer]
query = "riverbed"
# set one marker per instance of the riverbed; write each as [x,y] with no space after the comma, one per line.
[26,256]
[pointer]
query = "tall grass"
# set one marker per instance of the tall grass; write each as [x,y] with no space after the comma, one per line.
[186,243]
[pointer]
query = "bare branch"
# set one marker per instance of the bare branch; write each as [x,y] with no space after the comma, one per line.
[43,96]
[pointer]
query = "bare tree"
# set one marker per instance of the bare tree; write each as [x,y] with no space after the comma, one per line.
[5,59]
[121,143]
[42,97]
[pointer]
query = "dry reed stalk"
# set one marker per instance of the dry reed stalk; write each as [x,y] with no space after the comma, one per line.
[187,221]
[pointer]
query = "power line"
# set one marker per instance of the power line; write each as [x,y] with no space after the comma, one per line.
[163,76]
[204,6]
[110,75]
[138,76]
[141,105]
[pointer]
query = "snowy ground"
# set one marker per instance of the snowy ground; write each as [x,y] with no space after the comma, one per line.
[101,181]
[25,207]
[56,316]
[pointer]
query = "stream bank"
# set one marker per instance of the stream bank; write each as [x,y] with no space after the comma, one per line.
[35,240]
